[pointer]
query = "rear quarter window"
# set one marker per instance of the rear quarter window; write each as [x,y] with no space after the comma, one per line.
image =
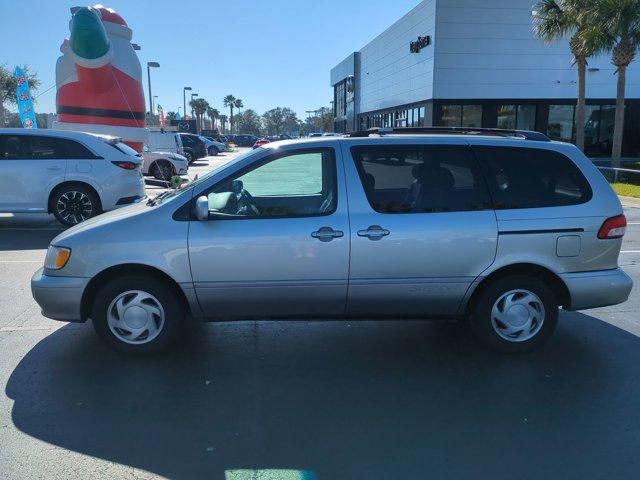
[531,178]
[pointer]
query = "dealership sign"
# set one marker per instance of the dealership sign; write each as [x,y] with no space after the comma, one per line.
[420,44]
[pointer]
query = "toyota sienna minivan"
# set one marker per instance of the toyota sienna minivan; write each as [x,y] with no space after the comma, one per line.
[496,228]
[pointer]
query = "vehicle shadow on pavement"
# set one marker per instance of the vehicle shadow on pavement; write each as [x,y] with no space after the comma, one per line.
[27,239]
[343,400]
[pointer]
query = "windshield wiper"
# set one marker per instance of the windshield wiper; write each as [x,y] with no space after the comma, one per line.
[154,200]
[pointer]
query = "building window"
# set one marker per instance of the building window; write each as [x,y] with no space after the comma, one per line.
[451,116]
[526,119]
[472,116]
[340,100]
[507,116]
[521,117]
[461,116]
[598,129]
[561,123]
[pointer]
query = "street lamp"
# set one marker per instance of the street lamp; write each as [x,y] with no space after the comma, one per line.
[149,66]
[184,99]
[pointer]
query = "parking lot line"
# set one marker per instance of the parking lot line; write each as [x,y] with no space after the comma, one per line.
[20,261]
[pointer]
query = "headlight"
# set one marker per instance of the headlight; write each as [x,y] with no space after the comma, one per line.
[57,257]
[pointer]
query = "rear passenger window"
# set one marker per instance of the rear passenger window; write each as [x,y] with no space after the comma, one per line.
[421,179]
[34,147]
[532,178]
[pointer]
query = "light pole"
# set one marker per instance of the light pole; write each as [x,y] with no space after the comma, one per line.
[149,66]
[184,99]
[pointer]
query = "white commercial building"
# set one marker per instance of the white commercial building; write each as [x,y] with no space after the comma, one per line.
[478,64]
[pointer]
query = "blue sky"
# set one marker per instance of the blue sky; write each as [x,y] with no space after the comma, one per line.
[269,53]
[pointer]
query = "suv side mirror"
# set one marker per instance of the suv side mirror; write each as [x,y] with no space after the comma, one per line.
[202,208]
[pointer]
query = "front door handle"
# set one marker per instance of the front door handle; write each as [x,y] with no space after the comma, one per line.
[374,232]
[53,167]
[326,234]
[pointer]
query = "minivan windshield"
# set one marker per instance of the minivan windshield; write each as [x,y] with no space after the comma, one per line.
[173,194]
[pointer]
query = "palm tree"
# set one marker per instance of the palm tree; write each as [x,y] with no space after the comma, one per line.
[223,122]
[554,20]
[213,114]
[230,101]
[199,106]
[238,104]
[615,28]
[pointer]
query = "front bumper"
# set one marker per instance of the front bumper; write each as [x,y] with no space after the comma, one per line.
[597,289]
[59,298]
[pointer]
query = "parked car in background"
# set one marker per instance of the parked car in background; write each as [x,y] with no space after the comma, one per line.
[163,165]
[230,138]
[214,147]
[73,175]
[315,134]
[497,229]
[193,146]
[224,139]
[245,140]
[162,141]
[260,142]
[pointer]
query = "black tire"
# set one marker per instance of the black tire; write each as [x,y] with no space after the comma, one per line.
[213,151]
[74,203]
[166,296]
[481,314]
[162,170]
[189,156]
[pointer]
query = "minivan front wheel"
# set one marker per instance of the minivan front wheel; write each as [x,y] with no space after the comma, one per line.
[515,313]
[137,314]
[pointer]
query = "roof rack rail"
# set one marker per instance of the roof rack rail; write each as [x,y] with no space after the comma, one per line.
[499,132]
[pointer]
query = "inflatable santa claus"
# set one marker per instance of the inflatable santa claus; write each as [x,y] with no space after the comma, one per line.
[99,78]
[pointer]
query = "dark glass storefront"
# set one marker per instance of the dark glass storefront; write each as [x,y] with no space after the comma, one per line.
[556,118]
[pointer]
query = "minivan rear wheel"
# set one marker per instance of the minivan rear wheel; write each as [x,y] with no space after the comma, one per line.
[515,314]
[137,314]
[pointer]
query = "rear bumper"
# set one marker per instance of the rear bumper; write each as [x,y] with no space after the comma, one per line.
[59,298]
[597,289]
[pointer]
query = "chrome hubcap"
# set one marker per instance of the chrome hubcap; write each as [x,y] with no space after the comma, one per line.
[517,315]
[135,317]
[74,207]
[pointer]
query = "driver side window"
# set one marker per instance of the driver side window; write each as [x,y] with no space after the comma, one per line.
[299,184]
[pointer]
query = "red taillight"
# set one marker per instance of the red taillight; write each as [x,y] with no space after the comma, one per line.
[126,165]
[614,227]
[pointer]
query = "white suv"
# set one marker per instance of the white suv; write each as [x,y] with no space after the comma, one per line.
[73,175]
[163,165]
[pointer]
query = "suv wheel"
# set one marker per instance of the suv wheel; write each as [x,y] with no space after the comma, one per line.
[189,156]
[162,171]
[514,314]
[137,314]
[213,151]
[73,204]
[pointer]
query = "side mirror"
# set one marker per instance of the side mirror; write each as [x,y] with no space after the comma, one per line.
[202,208]
[146,149]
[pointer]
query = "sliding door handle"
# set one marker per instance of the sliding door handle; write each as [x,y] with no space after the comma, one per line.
[374,232]
[326,234]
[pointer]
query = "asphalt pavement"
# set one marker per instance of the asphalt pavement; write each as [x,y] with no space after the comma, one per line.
[313,400]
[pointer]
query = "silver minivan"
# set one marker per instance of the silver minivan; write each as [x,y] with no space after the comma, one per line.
[499,228]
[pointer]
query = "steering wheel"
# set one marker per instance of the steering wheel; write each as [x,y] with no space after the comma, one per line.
[245,203]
